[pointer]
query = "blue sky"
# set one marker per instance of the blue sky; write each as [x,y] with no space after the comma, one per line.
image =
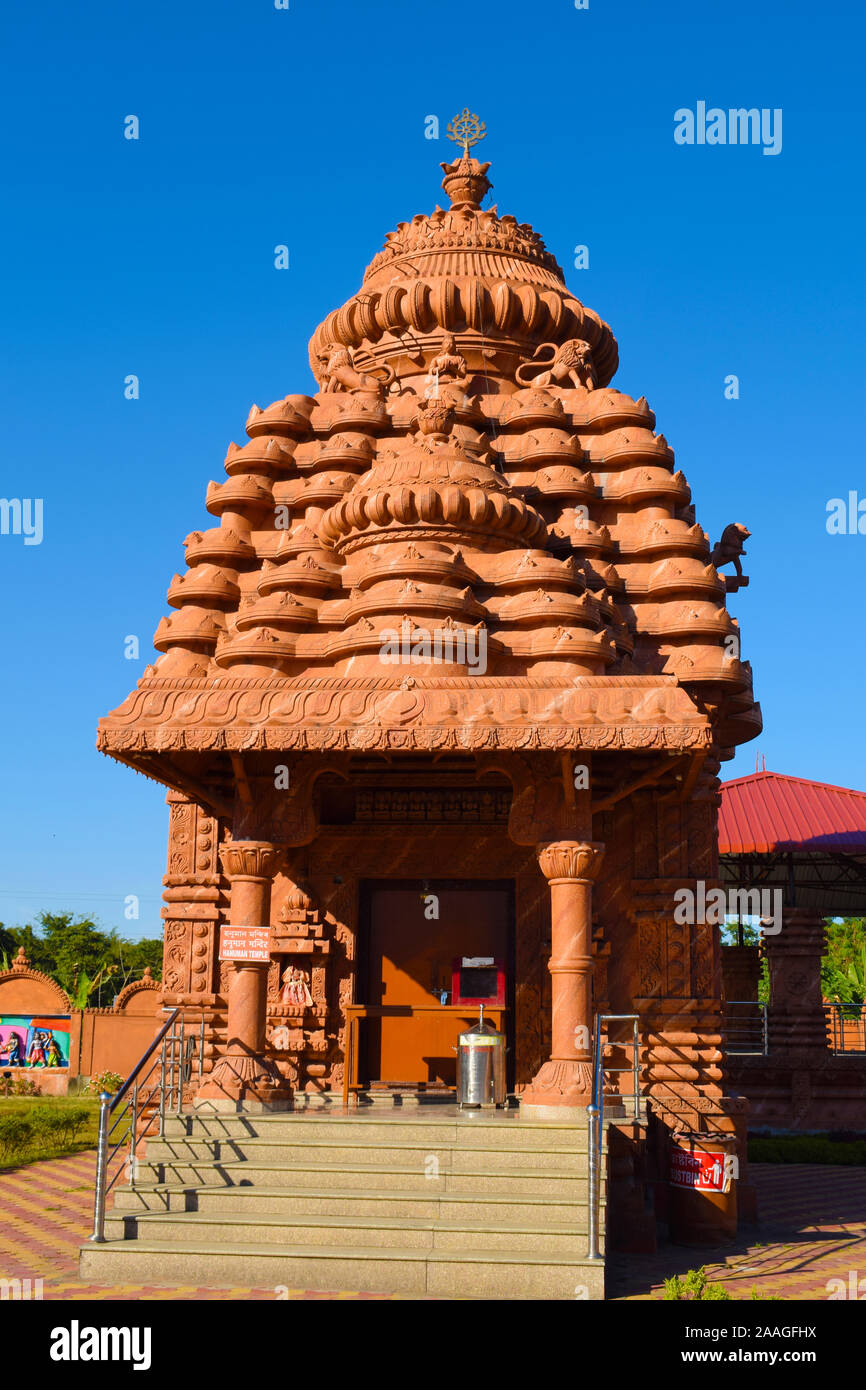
[306,127]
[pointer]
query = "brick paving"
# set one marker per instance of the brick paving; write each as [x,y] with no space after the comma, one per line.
[813,1229]
[46,1212]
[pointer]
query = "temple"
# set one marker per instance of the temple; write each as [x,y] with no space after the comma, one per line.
[446,688]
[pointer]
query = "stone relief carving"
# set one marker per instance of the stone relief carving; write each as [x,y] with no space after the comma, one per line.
[571,362]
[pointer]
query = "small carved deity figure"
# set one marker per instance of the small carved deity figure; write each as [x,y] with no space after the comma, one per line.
[339,373]
[54,1058]
[729,549]
[10,1051]
[571,361]
[295,989]
[449,364]
[36,1052]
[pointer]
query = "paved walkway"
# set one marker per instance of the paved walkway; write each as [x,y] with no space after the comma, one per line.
[813,1229]
[46,1212]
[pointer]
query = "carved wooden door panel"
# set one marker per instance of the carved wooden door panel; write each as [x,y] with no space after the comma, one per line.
[413,934]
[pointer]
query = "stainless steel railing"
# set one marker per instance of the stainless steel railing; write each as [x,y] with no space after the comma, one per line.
[595,1113]
[745,1027]
[846,1028]
[153,1090]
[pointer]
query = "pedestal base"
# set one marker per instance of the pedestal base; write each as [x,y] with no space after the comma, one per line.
[559,1085]
[242,1079]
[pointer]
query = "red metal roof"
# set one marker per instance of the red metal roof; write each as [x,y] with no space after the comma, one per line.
[767,811]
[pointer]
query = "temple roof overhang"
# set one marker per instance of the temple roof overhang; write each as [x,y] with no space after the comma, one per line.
[417,714]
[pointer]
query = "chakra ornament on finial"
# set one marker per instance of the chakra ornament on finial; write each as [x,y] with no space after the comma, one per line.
[466,129]
[465,179]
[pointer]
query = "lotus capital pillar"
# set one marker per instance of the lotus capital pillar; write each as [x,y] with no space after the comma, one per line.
[243,1075]
[564,1083]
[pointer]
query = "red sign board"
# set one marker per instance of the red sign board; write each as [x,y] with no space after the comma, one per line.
[702,1170]
[245,943]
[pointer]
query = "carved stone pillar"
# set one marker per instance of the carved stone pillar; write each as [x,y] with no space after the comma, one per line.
[243,1074]
[795,1017]
[565,1081]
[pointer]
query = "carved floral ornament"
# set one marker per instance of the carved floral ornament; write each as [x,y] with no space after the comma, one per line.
[570,860]
[255,859]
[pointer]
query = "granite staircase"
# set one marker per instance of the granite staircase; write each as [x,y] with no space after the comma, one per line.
[413,1201]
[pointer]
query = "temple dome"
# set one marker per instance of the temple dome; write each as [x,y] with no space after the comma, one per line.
[482,277]
[464,479]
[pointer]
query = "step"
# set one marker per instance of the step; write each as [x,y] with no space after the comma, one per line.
[449,1274]
[290,1202]
[346,1176]
[478,1128]
[450,1155]
[393,1233]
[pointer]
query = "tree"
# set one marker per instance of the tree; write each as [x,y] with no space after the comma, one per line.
[75,946]
[82,957]
[34,948]
[843,968]
[8,947]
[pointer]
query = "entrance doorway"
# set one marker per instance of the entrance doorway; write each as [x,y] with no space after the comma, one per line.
[412,932]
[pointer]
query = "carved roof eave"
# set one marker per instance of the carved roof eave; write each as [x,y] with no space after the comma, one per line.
[629,713]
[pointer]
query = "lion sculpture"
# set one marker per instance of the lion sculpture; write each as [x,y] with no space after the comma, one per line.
[571,361]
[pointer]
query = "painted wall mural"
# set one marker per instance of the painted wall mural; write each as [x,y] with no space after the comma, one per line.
[30,1040]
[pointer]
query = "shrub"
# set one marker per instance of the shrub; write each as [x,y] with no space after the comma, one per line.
[58,1127]
[16,1132]
[22,1086]
[104,1081]
[695,1286]
[46,1125]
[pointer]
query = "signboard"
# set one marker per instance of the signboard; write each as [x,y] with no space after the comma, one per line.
[245,943]
[702,1170]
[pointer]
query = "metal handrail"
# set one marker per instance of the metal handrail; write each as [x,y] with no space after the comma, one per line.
[843,1020]
[746,1035]
[174,1064]
[595,1117]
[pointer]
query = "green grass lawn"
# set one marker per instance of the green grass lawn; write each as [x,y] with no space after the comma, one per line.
[24,1106]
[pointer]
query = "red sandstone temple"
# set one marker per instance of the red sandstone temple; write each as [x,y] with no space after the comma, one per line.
[450,677]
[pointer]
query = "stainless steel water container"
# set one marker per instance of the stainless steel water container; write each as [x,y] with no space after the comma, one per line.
[481,1066]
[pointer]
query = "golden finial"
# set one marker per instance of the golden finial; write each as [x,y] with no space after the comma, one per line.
[466,129]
